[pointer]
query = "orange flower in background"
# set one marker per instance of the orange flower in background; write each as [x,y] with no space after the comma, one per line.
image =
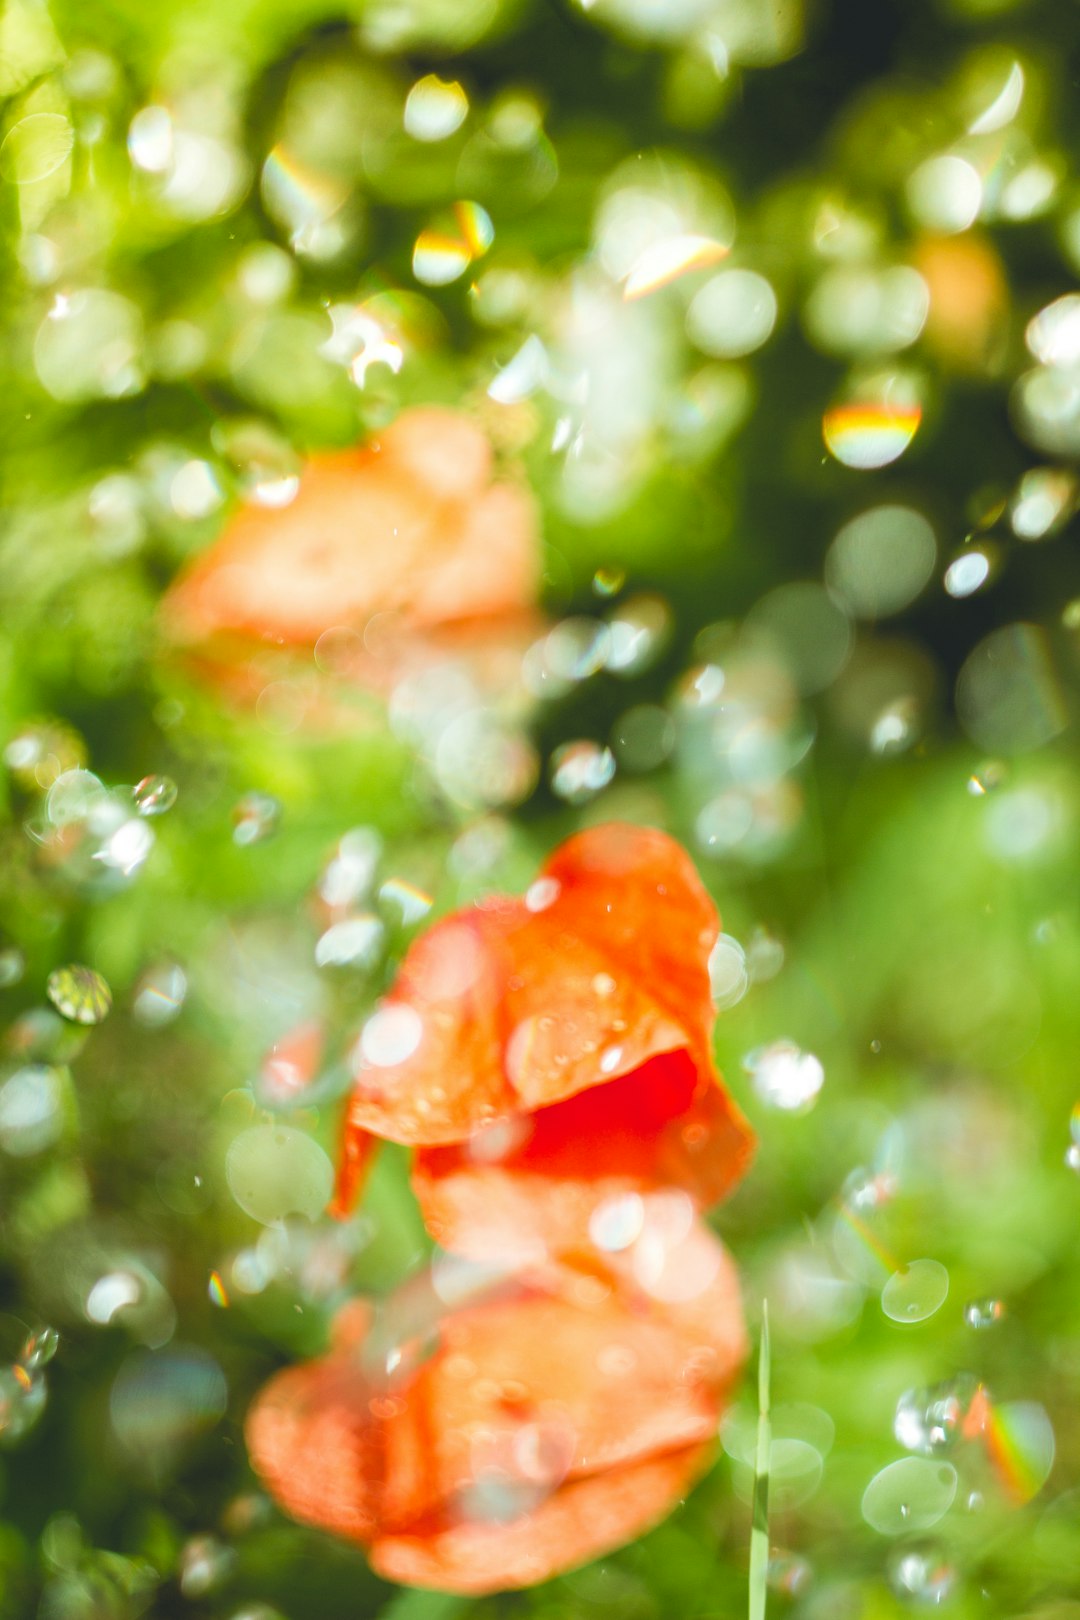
[407,535]
[548,1053]
[483,1432]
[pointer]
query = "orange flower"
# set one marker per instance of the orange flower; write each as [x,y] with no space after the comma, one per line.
[548,1053]
[536,1421]
[409,529]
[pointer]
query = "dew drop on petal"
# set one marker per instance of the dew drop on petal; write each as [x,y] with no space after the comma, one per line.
[617,1222]
[909,1495]
[154,795]
[916,1292]
[79,994]
[542,894]
[391,1035]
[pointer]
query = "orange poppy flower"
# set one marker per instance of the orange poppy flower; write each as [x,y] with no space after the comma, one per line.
[534,1422]
[407,535]
[546,1054]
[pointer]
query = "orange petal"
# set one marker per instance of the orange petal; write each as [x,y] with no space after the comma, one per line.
[358,1149]
[408,525]
[316,1445]
[634,894]
[583,1520]
[451,1079]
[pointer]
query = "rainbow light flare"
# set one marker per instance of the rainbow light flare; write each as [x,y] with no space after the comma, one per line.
[1019,1442]
[444,251]
[868,436]
[663,262]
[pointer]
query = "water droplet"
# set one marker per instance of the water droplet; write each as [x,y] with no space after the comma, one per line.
[912,1494]
[580,770]
[216,1291]
[729,976]
[355,942]
[788,1574]
[1072,1157]
[445,249]
[608,581]
[876,421]
[39,1348]
[154,795]
[1043,502]
[274,1171]
[966,573]
[880,560]
[12,966]
[983,1313]
[42,751]
[31,1110]
[732,314]
[204,1564]
[22,1401]
[406,899]
[435,108]
[159,995]
[928,1420]
[255,817]
[784,1076]
[922,1573]
[764,956]
[89,346]
[79,993]
[916,1292]
[111,1294]
[986,778]
[36,147]
[161,1398]
[640,627]
[1053,335]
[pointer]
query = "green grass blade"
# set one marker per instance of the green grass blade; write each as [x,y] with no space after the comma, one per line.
[759,1524]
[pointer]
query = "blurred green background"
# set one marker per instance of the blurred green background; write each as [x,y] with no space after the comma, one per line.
[807,496]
